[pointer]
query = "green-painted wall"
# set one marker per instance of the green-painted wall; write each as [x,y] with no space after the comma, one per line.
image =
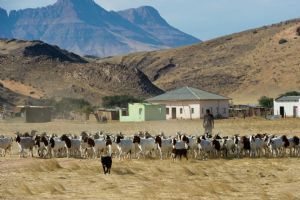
[155,112]
[138,112]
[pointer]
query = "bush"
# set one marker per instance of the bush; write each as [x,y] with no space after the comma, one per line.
[119,101]
[266,102]
[298,31]
[291,93]
[70,104]
[282,41]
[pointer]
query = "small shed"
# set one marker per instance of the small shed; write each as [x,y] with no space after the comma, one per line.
[138,112]
[108,114]
[287,106]
[37,114]
[249,111]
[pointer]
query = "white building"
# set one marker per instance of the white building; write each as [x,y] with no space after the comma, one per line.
[191,103]
[287,106]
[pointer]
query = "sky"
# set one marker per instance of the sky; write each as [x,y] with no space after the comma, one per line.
[204,19]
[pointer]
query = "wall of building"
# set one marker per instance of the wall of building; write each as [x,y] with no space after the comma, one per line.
[110,115]
[288,108]
[184,110]
[37,115]
[216,107]
[196,109]
[144,112]
[155,112]
[136,113]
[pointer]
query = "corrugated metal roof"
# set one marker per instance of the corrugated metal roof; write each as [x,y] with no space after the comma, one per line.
[288,98]
[187,93]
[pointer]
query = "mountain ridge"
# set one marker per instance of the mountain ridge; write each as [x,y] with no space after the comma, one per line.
[243,66]
[149,19]
[85,28]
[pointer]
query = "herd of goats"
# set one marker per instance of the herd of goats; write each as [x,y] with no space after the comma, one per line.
[145,145]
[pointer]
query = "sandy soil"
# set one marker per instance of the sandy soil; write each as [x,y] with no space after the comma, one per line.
[225,127]
[33,178]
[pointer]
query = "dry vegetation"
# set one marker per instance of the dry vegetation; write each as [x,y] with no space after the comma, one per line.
[33,178]
[244,66]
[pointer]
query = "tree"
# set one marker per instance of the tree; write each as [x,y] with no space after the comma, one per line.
[66,105]
[266,102]
[119,101]
[291,93]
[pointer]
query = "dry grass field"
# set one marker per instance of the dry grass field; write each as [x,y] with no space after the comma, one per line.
[33,178]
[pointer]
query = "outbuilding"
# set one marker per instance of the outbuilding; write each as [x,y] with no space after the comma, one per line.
[37,114]
[138,112]
[192,103]
[108,114]
[287,106]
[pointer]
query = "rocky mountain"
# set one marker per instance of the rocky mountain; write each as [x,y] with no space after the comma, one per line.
[85,28]
[4,25]
[149,20]
[34,70]
[243,66]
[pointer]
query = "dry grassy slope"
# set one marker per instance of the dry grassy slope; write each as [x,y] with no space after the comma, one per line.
[243,66]
[52,72]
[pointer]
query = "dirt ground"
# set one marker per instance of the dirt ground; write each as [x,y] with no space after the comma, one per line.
[193,127]
[263,178]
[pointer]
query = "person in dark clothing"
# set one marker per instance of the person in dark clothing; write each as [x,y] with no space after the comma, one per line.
[208,123]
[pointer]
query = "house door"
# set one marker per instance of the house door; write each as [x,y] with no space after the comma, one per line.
[174,113]
[281,110]
[295,111]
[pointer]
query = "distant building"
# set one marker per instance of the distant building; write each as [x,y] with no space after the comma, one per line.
[37,114]
[192,103]
[108,114]
[243,111]
[138,112]
[287,106]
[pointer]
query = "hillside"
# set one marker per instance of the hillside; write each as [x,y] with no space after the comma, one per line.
[243,66]
[36,70]
[85,28]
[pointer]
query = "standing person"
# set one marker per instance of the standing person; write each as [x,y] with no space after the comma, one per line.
[208,123]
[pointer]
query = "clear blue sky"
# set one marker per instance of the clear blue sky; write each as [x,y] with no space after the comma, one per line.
[205,19]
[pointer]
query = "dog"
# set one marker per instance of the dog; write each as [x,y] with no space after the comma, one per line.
[106,163]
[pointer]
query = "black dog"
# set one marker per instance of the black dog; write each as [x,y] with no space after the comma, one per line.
[106,164]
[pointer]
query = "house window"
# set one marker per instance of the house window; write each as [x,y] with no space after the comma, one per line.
[202,110]
[180,110]
[167,111]
[217,108]
[224,111]
[192,111]
[211,110]
[140,111]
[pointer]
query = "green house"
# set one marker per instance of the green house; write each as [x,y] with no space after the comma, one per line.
[138,112]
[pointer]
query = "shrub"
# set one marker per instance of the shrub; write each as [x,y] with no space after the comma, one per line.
[291,93]
[70,104]
[266,102]
[298,31]
[119,101]
[282,41]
